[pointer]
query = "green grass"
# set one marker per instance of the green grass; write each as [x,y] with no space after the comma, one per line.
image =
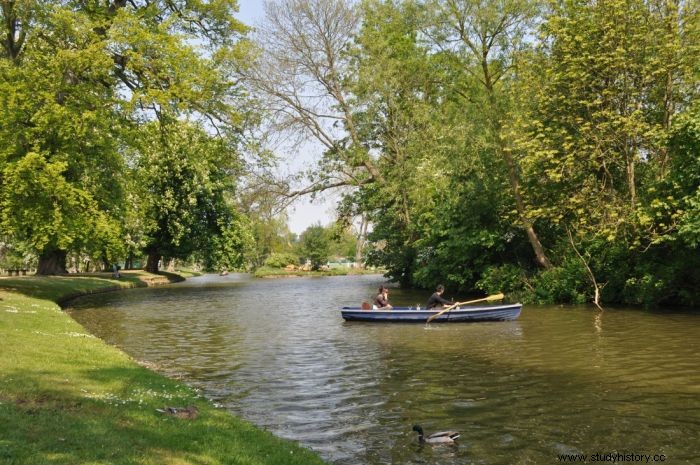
[62,288]
[67,397]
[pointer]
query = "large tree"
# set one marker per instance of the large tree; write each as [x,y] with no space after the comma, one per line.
[315,245]
[79,78]
[486,40]
[301,72]
[395,92]
[610,80]
[186,182]
[59,134]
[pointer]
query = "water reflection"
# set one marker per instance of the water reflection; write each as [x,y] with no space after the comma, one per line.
[555,381]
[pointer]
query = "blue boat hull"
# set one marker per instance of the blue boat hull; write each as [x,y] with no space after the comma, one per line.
[406,314]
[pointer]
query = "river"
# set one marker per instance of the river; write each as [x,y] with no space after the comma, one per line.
[559,380]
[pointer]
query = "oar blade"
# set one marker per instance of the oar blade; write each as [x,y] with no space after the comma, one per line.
[490,298]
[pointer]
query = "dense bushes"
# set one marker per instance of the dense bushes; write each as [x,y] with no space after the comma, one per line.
[281,260]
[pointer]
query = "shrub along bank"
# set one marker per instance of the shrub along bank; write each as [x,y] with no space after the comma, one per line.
[67,397]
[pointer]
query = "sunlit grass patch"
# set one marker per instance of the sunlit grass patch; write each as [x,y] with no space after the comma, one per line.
[66,397]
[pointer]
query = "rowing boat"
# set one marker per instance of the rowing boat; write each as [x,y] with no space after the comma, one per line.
[415,315]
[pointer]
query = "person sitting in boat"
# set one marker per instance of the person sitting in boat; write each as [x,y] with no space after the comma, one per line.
[436,300]
[381,302]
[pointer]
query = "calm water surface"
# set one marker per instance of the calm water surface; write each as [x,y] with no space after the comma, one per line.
[556,381]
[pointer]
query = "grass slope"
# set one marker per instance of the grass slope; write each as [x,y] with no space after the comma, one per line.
[66,397]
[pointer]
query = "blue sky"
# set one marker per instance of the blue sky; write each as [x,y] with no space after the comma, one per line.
[250,10]
[302,213]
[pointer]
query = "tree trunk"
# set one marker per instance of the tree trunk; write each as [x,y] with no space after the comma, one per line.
[106,265]
[361,237]
[526,224]
[152,262]
[513,176]
[52,262]
[629,156]
[596,287]
[16,31]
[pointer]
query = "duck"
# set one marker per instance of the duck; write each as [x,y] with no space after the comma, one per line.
[189,412]
[443,437]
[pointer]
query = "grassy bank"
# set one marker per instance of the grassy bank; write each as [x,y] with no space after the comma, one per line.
[269,272]
[66,397]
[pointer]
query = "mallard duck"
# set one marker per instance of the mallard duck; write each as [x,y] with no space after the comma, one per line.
[189,412]
[443,437]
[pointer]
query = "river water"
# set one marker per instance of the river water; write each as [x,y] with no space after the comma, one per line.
[555,381]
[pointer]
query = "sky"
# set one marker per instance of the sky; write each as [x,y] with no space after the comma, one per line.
[250,10]
[302,213]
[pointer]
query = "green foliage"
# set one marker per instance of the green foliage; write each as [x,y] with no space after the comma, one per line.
[79,83]
[269,228]
[281,260]
[231,244]
[683,186]
[185,183]
[655,279]
[567,283]
[537,149]
[58,151]
[15,255]
[643,289]
[317,243]
[508,278]
[562,284]
[584,128]
[41,208]
[343,242]
[315,246]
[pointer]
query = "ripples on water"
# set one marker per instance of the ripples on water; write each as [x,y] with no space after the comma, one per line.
[555,381]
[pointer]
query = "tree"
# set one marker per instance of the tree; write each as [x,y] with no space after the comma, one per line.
[435,216]
[269,225]
[486,39]
[315,245]
[58,138]
[79,78]
[610,78]
[42,208]
[187,185]
[300,73]
[391,86]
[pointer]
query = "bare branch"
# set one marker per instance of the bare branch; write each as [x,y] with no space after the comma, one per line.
[591,276]
[300,71]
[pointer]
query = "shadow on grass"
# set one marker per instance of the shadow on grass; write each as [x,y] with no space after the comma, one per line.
[45,423]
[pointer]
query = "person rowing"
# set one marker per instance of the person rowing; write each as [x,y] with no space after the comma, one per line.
[436,300]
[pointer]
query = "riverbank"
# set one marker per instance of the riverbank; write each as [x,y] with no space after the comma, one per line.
[67,397]
[269,272]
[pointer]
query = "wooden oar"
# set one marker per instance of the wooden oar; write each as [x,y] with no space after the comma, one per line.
[490,298]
